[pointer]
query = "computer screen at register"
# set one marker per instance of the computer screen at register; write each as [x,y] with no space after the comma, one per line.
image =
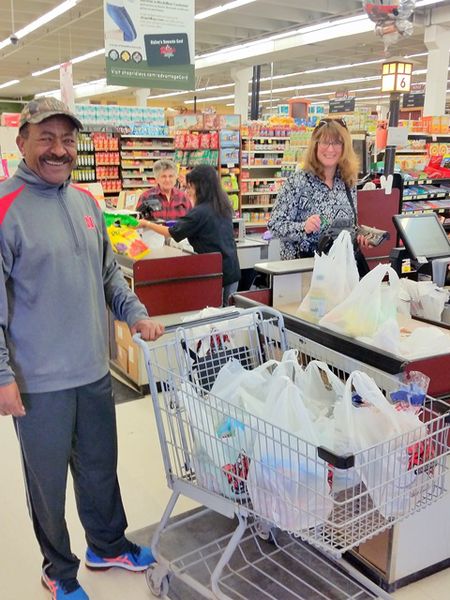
[423,235]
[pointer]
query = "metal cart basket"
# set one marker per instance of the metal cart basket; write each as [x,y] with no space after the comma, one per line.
[282,490]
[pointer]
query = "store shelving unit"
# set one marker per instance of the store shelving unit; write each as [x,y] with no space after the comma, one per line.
[85,169]
[263,172]
[138,154]
[107,160]
[427,195]
[230,164]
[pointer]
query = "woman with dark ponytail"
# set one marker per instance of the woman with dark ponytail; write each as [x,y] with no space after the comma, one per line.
[208,226]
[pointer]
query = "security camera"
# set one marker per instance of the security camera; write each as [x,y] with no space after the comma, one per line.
[13,39]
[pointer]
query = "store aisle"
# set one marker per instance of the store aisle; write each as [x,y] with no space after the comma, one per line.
[145,495]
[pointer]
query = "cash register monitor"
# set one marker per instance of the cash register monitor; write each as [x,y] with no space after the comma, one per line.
[423,235]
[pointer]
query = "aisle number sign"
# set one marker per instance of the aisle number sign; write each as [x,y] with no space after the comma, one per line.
[150,43]
[396,76]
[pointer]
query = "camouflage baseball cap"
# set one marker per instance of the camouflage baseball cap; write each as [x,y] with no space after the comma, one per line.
[43,108]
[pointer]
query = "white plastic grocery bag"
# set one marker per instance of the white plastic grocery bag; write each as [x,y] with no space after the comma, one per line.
[219,437]
[424,298]
[333,278]
[381,438]
[371,304]
[320,388]
[287,482]
[425,341]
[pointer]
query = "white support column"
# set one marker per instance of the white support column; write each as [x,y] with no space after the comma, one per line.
[241,78]
[141,96]
[437,40]
[383,110]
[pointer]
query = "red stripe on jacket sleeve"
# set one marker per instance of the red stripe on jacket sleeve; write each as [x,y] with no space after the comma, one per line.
[85,191]
[6,202]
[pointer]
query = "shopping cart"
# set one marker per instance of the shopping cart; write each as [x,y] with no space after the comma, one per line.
[210,445]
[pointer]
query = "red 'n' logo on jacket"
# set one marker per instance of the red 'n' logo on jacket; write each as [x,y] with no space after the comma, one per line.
[89,222]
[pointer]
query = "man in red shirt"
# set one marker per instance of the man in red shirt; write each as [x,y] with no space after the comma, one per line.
[174,202]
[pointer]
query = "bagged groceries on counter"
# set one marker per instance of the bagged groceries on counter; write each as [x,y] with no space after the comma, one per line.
[369,306]
[422,299]
[334,276]
[370,314]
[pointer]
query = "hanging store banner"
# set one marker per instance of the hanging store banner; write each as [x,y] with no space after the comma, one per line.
[66,85]
[150,43]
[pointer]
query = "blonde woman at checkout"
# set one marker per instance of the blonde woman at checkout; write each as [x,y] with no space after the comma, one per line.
[319,196]
[208,226]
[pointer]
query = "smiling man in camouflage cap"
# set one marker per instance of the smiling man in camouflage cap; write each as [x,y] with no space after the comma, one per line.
[40,109]
[59,276]
[48,139]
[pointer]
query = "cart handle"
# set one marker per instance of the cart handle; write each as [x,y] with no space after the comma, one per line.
[234,314]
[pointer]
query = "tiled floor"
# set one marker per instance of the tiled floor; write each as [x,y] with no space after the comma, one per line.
[145,495]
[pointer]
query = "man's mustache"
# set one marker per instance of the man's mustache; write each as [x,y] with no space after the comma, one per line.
[60,159]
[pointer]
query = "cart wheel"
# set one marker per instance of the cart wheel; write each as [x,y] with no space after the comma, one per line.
[264,532]
[157,580]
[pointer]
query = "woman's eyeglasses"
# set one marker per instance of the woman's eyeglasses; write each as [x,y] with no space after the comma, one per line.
[326,121]
[335,144]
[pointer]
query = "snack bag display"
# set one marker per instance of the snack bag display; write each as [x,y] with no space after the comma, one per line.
[124,239]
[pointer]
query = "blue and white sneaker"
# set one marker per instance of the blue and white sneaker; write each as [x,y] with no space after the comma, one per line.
[138,558]
[64,589]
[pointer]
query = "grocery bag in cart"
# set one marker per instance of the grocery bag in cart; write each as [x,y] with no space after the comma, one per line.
[287,482]
[222,442]
[383,439]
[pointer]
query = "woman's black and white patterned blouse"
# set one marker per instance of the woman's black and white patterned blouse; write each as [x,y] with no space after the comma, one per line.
[302,195]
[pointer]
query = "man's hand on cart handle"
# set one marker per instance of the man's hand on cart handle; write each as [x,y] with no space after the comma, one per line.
[149,330]
[10,401]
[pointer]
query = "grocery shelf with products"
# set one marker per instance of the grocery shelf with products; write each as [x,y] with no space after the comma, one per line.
[98,160]
[138,154]
[85,170]
[107,161]
[424,164]
[212,140]
[270,153]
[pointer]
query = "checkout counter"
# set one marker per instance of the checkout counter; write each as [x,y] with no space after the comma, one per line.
[173,280]
[169,281]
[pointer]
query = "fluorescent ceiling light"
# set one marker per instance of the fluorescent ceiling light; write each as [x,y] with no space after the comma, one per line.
[320,85]
[42,20]
[371,89]
[205,89]
[87,56]
[283,41]
[222,8]
[212,99]
[86,89]
[74,61]
[8,83]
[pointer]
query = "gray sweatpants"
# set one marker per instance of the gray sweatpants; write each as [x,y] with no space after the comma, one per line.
[76,428]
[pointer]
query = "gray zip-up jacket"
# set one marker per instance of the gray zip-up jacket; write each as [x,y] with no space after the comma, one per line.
[59,274]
